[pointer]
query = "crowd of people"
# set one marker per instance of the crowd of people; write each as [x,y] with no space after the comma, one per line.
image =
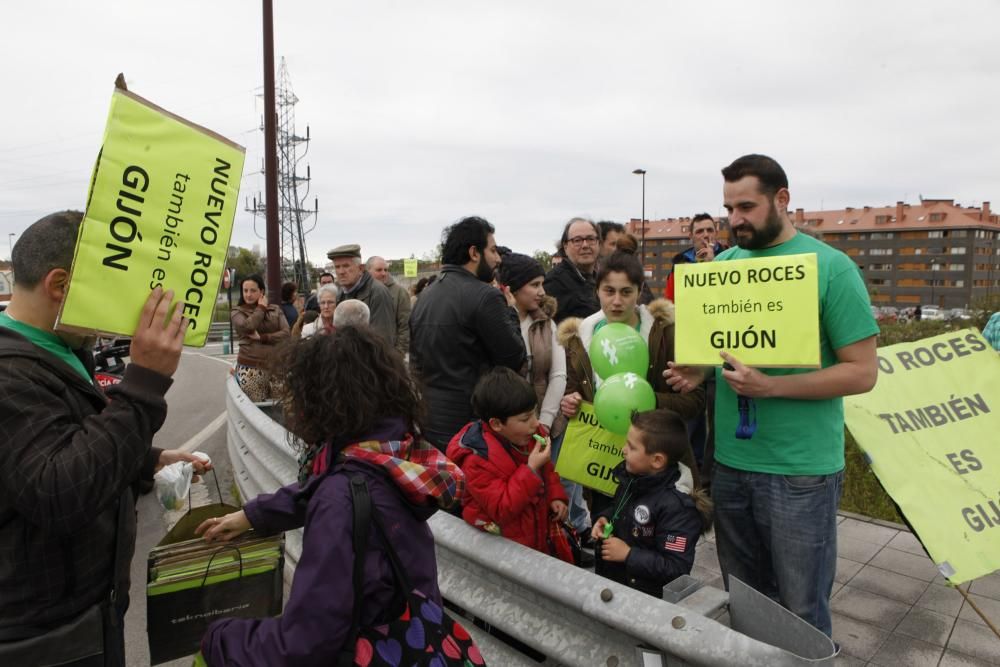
[474,423]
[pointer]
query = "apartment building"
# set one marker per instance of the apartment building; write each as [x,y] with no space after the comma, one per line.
[664,239]
[934,251]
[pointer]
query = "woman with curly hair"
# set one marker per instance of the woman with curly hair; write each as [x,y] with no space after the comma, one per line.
[349,398]
[259,327]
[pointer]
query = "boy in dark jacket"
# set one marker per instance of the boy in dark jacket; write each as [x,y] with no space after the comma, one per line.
[648,533]
[512,489]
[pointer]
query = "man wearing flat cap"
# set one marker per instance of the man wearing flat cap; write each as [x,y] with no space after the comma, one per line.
[353,282]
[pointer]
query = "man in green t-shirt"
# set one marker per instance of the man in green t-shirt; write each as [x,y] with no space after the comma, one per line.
[776,492]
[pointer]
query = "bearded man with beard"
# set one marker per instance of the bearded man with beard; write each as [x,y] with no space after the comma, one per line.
[776,493]
[460,328]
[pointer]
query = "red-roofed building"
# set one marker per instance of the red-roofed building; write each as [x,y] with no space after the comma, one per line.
[933,252]
[664,239]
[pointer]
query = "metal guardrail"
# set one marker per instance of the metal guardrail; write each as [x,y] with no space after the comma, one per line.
[571,615]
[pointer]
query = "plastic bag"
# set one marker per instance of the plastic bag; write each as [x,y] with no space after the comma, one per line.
[173,483]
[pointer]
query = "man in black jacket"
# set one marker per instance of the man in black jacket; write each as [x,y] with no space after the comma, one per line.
[572,282]
[69,455]
[460,328]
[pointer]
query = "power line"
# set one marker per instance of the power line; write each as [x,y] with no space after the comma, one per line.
[292,188]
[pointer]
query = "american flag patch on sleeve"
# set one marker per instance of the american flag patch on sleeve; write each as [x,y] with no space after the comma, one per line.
[675,543]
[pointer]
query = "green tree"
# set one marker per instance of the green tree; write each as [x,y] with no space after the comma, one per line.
[246,262]
[543,257]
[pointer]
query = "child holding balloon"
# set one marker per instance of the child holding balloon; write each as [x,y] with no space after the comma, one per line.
[647,535]
[594,355]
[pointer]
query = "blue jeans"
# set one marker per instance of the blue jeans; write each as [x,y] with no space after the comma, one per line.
[778,534]
[579,515]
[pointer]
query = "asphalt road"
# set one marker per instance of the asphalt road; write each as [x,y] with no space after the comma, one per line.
[195,402]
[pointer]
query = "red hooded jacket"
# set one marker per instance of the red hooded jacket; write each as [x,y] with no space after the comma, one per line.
[501,489]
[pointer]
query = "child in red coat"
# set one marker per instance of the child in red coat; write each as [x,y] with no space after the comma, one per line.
[512,489]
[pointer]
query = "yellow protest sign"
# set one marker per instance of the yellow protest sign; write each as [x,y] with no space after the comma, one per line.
[160,212]
[929,428]
[589,453]
[409,268]
[765,311]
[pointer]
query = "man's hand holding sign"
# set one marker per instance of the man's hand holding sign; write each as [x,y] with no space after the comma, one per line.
[159,338]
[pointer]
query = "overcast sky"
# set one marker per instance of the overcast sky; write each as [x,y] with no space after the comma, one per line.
[526,113]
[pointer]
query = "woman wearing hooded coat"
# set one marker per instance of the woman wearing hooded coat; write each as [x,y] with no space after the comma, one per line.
[350,430]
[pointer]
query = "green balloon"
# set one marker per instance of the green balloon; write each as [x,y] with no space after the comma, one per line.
[618,348]
[618,397]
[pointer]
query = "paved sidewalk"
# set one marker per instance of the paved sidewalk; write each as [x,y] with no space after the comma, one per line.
[891,607]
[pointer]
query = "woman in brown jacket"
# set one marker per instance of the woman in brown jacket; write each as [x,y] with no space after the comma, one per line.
[619,282]
[259,327]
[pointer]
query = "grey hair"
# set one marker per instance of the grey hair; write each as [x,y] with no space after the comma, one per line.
[46,245]
[327,288]
[351,312]
[371,259]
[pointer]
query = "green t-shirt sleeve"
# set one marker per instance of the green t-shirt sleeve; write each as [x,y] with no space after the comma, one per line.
[846,314]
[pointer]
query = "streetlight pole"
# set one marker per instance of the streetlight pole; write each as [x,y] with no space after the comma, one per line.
[642,233]
[10,242]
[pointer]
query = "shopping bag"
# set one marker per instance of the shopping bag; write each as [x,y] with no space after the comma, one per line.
[190,583]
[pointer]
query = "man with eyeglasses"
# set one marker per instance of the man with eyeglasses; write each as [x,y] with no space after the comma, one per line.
[571,282]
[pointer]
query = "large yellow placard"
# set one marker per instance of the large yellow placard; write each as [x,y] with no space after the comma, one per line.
[764,311]
[160,212]
[930,430]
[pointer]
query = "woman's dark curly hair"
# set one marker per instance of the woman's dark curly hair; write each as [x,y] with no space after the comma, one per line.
[337,387]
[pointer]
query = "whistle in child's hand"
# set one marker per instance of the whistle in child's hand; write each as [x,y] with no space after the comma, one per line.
[542,442]
[609,529]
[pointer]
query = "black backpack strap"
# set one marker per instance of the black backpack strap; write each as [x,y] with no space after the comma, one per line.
[362,510]
[397,565]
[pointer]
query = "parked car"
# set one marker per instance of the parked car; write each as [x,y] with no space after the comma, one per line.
[887,314]
[931,313]
[958,314]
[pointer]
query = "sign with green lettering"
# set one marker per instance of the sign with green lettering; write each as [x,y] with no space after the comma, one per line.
[159,213]
[764,311]
[589,453]
[929,428]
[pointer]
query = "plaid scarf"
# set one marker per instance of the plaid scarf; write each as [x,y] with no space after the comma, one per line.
[422,473]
